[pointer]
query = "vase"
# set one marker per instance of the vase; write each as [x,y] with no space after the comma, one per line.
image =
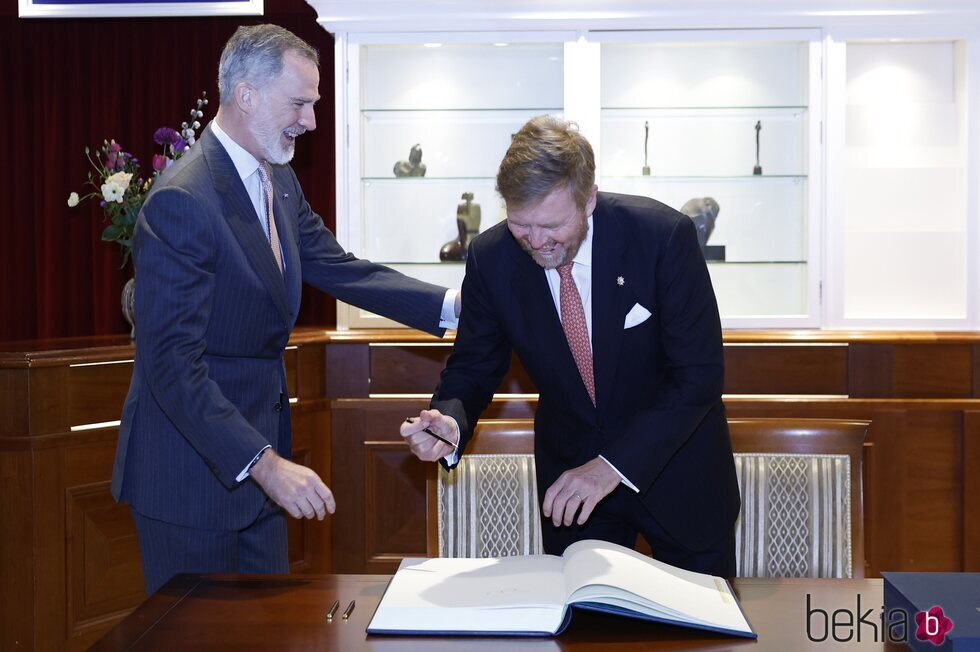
[128,301]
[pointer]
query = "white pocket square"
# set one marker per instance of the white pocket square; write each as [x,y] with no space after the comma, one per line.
[636,316]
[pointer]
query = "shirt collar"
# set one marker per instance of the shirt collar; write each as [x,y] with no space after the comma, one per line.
[584,255]
[245,163]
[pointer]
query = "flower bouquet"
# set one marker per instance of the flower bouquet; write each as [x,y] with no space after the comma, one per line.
[115,177]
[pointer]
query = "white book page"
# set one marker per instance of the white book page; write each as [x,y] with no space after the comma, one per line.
[598,570]
[506,594]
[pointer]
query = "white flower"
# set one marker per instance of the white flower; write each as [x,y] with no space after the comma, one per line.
[111,192]
[115,186]
[73,200]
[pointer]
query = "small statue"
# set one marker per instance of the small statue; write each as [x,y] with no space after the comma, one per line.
[758,168]
[467,226]
[704,212]
[455,249]
[413,167]
[646,141]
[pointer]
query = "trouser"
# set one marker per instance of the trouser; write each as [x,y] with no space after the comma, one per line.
[167,549]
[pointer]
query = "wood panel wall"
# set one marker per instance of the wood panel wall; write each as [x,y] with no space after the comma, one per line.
[71,557]
[919,390]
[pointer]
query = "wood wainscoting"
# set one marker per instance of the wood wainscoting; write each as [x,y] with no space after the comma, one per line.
[69,558]
[69,563]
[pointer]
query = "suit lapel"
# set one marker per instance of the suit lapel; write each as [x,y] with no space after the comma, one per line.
[609,297]
[242,220]
[288,238]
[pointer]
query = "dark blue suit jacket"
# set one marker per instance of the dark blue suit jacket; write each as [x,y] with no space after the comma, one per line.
[213,317]
[659,418]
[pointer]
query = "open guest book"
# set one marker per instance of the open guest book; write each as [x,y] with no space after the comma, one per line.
[531,595]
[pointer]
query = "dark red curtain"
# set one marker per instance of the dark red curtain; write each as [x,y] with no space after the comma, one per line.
[74,82]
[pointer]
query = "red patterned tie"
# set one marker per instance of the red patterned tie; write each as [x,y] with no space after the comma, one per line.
[271,232]
[576,329]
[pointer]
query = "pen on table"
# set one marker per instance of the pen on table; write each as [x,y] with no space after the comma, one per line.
[348,610]
[333,609]
[439,437]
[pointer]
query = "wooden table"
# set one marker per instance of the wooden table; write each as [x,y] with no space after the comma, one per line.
[288,612]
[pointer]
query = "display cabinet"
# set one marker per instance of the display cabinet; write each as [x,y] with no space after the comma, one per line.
[727,116]
[428,122]
[836,142]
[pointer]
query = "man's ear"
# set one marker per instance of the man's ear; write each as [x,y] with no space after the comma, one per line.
[591,201]
[246,97]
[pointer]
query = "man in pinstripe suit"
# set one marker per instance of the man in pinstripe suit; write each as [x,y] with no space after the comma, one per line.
[204,443]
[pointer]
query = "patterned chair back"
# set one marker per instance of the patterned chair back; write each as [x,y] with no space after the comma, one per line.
[800,481]
[488,505]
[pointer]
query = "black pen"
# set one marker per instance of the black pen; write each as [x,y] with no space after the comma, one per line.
[439,437]
[333,609]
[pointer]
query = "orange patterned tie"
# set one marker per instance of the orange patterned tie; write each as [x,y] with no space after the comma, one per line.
[576,329]
[271,232]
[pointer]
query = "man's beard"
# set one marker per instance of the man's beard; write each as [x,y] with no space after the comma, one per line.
[561,254]
[269,140]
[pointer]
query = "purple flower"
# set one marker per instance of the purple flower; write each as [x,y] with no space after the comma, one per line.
[159,162]
[179,145]
[166,136]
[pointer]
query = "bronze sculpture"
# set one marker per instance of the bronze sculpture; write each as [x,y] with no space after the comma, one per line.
[413,167]
[467,226]
[703,211]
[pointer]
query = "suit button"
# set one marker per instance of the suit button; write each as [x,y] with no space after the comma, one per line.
[277,407]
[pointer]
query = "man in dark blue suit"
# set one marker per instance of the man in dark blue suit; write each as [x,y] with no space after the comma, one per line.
[222,246]
[607,301]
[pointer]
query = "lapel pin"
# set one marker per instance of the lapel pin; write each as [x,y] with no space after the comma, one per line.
[620,281]
[285,195]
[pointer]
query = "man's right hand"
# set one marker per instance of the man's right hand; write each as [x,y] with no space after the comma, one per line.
[426,447]
[297,489]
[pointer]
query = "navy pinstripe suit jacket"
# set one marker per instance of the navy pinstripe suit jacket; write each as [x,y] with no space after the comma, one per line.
[214,316]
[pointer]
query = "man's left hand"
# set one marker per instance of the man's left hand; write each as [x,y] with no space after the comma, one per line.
[579,490]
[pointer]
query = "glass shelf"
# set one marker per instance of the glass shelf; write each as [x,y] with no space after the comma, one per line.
[714,177]
[760,218]
[760,288]
[455,143]
[426,179]
[442,113]
[706,142]
[707,74]
[461,76]
[421,213]
[756,262]
[710,262]
[705,111]
[403,263]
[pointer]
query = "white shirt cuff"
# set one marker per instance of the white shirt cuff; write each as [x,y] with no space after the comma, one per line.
[622,478]
[453,458]
[244,474]
[448,318]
